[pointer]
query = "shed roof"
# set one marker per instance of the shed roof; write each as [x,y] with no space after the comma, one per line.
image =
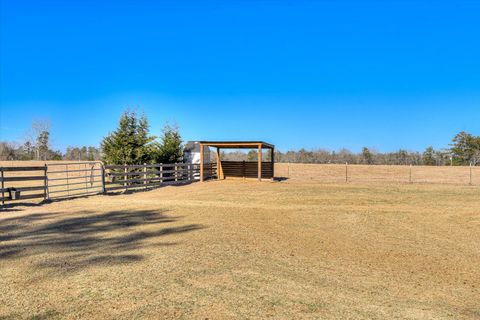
[237,144]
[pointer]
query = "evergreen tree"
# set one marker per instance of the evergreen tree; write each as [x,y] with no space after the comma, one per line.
[465,148]
[130,143]
[170,150]
[367,156]
[428,157]
[42,145]
[28,151]
[252,155]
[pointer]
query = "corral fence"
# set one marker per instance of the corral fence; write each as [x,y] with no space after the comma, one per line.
[75,179]
[124,177]
[23,183]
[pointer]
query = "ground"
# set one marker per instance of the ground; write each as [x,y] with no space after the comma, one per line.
[244,249]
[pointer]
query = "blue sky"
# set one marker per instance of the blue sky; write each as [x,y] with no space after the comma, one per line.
[313,74]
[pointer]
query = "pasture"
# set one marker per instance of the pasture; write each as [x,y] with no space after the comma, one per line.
[305,247]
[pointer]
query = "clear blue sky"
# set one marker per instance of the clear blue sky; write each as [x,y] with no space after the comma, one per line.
[331,74]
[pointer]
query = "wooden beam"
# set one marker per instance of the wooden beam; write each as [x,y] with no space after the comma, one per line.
[201,162]
[272,158]
[236,145]
[259,162]
[219,164]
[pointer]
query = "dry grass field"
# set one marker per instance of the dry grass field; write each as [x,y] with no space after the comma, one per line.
[334,173]
[303,248]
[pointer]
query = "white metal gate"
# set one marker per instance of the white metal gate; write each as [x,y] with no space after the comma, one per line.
[74,179]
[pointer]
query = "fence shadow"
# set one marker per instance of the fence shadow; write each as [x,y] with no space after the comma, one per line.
[86,239]
[143,189]
[18,206]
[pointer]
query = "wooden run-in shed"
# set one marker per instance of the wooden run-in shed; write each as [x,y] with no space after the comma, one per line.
[242,169]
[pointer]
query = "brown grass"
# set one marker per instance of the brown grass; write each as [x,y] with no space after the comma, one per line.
[334,173]
[242,249]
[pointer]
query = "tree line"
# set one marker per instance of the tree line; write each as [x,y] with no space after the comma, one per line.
[463,150]
[132,143]
[36,145]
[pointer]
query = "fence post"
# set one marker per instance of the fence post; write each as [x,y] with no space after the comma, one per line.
[104,188]
[470,174]
[410,175]
[125,176]
[346,172]
[45,183]
[175,168]
[145,175]
[161,173]
[3,187]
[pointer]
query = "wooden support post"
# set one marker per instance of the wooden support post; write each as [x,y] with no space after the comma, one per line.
[272,158]
[259,162]
[220,175]
[201,162]
[218,163]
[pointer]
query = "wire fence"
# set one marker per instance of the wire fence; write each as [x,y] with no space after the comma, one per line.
[346,173]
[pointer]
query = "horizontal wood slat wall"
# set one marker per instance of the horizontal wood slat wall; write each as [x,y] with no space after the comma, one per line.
[246,169]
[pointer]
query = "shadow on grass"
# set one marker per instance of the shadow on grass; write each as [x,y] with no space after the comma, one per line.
[14,206]
[141,188]
[86,239]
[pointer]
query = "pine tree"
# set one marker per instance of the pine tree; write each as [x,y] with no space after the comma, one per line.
[464,148]
[252,155]
[130,143]
[428,157]
[42,145]
[170,150]
[367,156]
